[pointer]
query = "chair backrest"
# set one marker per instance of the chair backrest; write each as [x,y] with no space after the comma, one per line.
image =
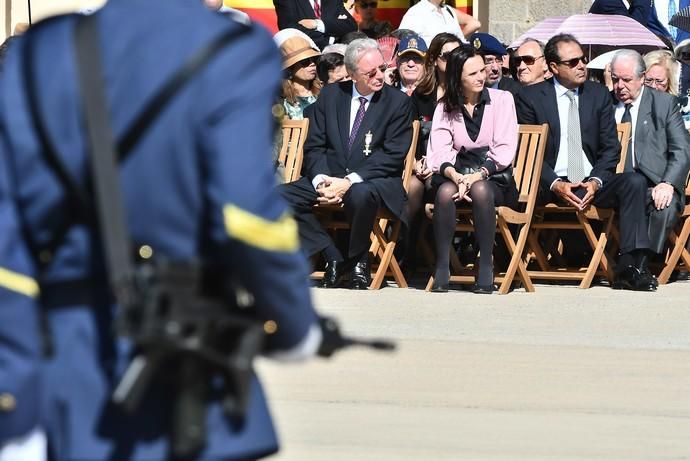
[410,157]
[528,162]
[624,137]
[292,149]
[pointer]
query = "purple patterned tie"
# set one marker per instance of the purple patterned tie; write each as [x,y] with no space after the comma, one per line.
[358,121]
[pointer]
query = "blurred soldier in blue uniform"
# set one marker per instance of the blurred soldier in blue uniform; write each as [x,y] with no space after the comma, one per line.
[198,186]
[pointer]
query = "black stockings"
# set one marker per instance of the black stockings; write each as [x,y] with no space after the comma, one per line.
[484,211]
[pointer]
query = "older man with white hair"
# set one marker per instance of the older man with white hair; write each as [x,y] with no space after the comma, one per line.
[529,62]
[359,133]
[659,146]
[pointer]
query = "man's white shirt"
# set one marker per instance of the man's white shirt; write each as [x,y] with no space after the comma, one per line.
[428,20]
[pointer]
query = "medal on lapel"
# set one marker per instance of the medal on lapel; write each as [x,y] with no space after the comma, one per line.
[367,143]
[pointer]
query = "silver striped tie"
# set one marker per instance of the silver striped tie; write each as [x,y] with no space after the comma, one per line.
[576,168]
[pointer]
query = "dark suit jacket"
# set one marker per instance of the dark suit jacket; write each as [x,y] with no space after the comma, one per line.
[536,104]
[290,12]
[387,118]
[510,85]
[640,10]
[661,141]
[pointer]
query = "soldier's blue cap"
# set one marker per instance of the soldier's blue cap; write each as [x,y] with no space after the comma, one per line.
[412,44]
[487,44]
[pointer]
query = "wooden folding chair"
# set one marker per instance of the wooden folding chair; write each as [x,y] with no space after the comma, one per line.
[292,148]
[678,238]
[384,235]
[568,217]
[527,172]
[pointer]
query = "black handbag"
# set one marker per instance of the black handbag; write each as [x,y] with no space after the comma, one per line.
[471,161]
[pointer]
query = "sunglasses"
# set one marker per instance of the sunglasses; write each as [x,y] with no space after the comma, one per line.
[444,56]
[685,55]
[372,73]
[573,62]
[308,62]
[364,6]
[528,60]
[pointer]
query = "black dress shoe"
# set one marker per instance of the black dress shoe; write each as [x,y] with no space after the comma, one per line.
[483,289]
[631,278]
[333,274]
[360,277]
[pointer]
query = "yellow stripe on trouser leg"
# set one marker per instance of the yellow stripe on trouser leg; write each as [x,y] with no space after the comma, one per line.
[253,230]
[19,283]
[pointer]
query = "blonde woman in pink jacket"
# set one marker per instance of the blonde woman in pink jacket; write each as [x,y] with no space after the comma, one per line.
[473,140]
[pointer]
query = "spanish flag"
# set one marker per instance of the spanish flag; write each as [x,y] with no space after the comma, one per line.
[262,11]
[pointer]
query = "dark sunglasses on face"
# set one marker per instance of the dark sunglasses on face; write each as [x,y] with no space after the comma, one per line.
[685,55]
[529,60]
[364,6]
[573,62]
[372,73]
[308,62]
[444,56]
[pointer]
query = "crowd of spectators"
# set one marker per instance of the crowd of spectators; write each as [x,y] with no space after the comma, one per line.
[469,91]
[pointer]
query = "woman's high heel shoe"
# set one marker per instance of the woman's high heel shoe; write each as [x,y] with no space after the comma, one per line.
[439,287]
[440,284]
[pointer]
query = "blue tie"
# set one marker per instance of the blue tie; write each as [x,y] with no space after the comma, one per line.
[672,9]
[359,117]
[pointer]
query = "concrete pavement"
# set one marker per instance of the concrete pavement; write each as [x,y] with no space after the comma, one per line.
[560,374]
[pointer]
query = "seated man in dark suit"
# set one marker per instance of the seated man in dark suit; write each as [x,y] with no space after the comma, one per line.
[325,21]
[359,134]
[659,146]
[582,151]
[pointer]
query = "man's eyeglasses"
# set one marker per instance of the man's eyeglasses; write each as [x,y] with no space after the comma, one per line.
[364,6]
[528,60]
[655,82]
[491,61]
[372,73]
[573,62]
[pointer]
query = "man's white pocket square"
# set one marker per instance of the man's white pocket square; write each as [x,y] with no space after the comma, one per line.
[342,16]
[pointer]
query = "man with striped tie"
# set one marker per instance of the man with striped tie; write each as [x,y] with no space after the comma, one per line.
[359,133]
[325,21]
[582,151]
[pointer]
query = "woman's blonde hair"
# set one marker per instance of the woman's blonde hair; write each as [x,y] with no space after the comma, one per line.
[665,59]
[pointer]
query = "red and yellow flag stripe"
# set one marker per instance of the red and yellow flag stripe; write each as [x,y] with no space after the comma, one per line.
[262,11]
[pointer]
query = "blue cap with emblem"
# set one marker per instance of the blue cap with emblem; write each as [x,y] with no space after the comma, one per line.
[412,44]
[487,44]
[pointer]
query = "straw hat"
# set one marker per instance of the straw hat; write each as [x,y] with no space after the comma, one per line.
[295,49]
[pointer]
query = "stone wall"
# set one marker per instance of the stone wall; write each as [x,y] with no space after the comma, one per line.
[508,19]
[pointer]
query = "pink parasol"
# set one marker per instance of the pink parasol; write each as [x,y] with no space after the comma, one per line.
[594,29]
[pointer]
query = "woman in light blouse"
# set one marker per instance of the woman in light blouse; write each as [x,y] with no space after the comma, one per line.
[471,148]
